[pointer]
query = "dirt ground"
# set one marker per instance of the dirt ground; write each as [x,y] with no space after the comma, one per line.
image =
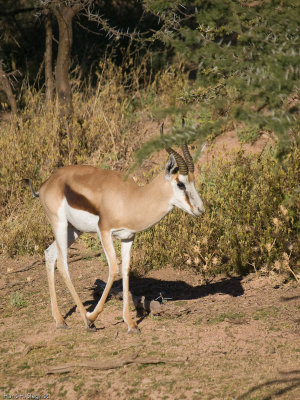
[232,338]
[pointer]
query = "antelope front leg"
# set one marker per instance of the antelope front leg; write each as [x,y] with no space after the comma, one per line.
[125,251]
[109,250]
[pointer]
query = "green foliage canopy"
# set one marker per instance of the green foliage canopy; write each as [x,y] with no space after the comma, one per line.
[245,57]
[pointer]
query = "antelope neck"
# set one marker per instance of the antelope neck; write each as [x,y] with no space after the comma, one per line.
[151,202]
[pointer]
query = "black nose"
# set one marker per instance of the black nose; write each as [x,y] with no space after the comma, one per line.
[201,210]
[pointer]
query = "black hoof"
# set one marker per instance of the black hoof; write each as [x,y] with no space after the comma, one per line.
[134,330]
[62,326]
[91,328]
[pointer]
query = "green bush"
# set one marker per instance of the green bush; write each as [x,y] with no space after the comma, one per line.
[251,220]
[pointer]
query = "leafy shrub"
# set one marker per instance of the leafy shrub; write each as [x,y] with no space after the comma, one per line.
[250,223]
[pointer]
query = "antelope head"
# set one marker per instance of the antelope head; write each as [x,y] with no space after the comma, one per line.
[180,173]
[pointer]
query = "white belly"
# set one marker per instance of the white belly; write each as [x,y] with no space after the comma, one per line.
[122,233]
[83,221]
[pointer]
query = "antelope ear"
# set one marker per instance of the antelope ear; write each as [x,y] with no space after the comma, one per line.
[171,167]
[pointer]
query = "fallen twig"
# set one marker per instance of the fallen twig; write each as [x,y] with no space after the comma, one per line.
[87,255]
[34,264]
[30,347]
[40,262]
[105,365]
[10,285]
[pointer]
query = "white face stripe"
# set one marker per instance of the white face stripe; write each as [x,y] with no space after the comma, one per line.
[187,199]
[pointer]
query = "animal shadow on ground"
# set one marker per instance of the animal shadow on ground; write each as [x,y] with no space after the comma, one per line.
[156,289]
[180,290]
[290,382]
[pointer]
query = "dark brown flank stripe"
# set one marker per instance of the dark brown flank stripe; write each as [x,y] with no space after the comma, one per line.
[78,201]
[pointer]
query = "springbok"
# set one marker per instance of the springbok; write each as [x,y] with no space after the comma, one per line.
[84,198]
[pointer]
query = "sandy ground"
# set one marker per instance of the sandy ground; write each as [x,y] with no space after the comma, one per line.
[232,338]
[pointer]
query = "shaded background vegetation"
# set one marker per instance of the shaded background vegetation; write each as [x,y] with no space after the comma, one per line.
[222,64]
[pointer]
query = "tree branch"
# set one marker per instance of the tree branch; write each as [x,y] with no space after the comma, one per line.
[19,11]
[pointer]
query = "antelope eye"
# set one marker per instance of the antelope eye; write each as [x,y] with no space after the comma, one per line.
[181,185]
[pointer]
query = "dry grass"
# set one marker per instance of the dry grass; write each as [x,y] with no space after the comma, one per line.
[107,127]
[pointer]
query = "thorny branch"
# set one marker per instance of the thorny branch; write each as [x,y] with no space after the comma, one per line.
[170,21]
[111,31]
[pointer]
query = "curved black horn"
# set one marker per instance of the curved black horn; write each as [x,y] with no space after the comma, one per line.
[183,168]
[187,155]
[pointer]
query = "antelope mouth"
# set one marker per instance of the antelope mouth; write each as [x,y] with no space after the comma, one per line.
[197,212]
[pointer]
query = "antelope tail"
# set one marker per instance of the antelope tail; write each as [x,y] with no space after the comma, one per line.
[28,182]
